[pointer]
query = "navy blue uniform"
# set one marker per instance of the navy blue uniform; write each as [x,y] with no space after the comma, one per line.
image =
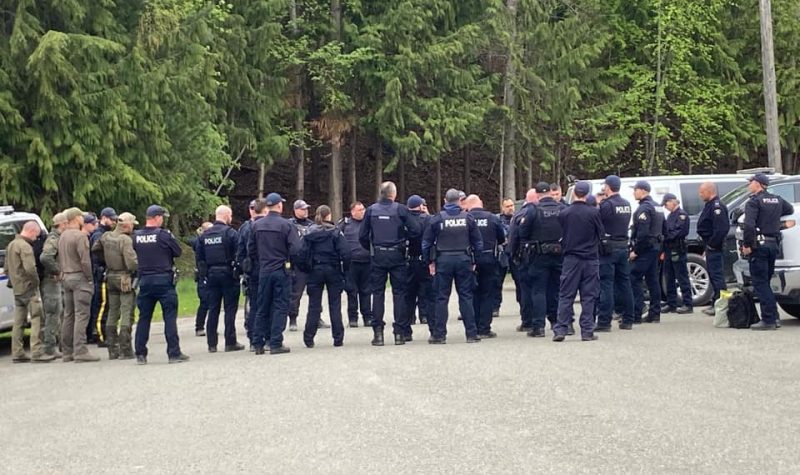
[330,256]
[156,250]
[676,228]
[646,236]
[540,230]
[615,271]
[357,278]
[386,228]
[487,268]
[454,235]
[582,230]
[98,312]
[272,241]
[762,233]
[419,282]
[216,256]
[505,221]
[514,251]
[299,278]
[713,225]
[201,285]
[250,270]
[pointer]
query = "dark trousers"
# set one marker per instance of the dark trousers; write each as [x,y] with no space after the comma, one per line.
[358,295]
[523,295]
[202,308]
[222,287]
[676,267]
[331,278]
[393,265]
[252,306]
[762,268]
[157,289]
[498,291]
[419,293]
[615,286]
[645,267]
[487,274]
[579,275]
[715,264]
[458,269]
[543,282]
[274,289]
[299,280]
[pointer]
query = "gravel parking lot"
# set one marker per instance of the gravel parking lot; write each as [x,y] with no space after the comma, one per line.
[677,397]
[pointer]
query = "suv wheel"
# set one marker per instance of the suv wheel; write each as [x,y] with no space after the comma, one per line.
[792,309]
[700,280]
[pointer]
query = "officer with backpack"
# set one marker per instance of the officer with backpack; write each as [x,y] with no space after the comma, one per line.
[329,256]
[541,231]
[761,241]
[216,259]
[450,243]
[646,237]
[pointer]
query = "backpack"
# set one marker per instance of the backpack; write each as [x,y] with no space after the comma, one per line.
[303,259]
[742,310]
[721,310]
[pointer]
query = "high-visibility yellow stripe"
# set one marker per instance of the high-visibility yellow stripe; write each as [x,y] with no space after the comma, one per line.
[101,334]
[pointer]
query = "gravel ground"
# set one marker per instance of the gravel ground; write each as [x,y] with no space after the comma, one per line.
[677,397]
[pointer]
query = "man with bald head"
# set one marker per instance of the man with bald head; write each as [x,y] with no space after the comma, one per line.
[515,254]
[216,263]
[487,267]
[713,226]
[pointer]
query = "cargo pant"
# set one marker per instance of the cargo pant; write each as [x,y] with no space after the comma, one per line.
[77,304]
[52,294]
[31,302]
[121,303]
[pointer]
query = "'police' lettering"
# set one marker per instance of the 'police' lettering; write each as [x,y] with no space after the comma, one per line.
[622,209]
[147,239]
[212,241]
[482,223]
[455,223]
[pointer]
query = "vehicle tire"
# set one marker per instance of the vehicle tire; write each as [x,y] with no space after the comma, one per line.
[700,281]
[792,309]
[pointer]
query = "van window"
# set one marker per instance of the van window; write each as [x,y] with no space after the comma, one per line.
[8,231]
[690,200]
[785,191]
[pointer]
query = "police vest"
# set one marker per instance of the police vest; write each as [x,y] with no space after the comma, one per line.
[386,226]
[453,234]
[769,217]
[323,243]
[657,225]
[216,247]
[548,228]
[488,233]
[616,225]
[153,257]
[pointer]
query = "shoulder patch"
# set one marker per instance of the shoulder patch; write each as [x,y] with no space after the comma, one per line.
[643,216]
[717,211]
[682,217]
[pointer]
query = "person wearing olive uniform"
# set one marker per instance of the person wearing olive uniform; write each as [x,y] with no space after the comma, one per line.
[50,288]
[216,257]
[517,267]
[760,243]
[419,283]
[648,224]
[386,228]
[357,279]
[541,231]
[676,228]
[713,225]
[487,267]
[330,259]
[114,250]
[450,241]
[582,232]
[615,272]
[156,250]
[272,241]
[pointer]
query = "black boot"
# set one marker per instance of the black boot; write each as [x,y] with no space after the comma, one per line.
[377,339]
[399,339]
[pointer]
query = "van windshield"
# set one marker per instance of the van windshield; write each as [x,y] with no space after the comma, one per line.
[733,195]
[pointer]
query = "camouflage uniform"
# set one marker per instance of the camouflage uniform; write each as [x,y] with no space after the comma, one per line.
[51,293]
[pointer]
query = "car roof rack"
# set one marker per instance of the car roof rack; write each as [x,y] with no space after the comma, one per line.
[8,209]
[753,171]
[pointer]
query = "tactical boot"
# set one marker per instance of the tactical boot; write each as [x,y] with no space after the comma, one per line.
[571,329]
[683,310]
[42,358]
[353,323]
[292,324]
[377,339]
[113,343]
[86,358]
[399,339]
[124,341]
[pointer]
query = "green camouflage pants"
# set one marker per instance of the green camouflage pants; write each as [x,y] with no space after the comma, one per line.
[53,306]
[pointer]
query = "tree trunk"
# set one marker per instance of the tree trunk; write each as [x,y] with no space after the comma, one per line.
[401,186]
[509,158]
[378,171]
[530,173]
[652,150]
[438,198]
[300,161]
[467,169]
[262,173]
[335,191]
[353,182]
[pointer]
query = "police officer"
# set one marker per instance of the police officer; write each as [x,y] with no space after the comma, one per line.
[761,241]
[540,230]
[505,216]
[357,279]
[419,283]
[487,267]
[246,266]
[615,272]
[386,228]
[217,263]
[272,241]
[713,226]
[582,231]
[50,287]
[115,252]
[299,278]
[99,315]
[20,265]
[676,228]
[156,250]
[330,259]
[646,237]
[201,284]
[449,245]
[515,248]
[251,268]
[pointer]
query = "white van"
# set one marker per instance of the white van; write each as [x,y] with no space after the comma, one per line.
[11,223]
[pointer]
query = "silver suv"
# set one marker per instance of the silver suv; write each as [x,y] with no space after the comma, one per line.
[10,225]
